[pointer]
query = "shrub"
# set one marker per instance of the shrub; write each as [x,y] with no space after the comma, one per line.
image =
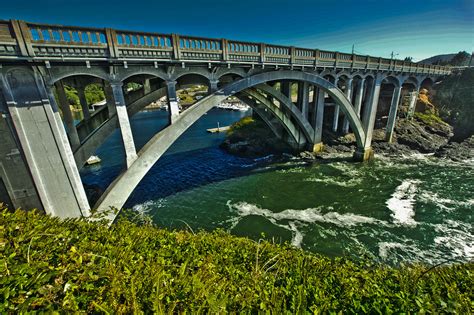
[48,264]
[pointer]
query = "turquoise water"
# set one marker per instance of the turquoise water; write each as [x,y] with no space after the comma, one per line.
[395,210]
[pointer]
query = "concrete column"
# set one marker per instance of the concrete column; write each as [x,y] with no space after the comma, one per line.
[83,101]
[392,116]
[286,89]
[67,116]
[146,86]
[303,93]
[335,121]
[318,119]
[66,153]
[412,104]
[172,100]
[44,143]
[213,86]
[368,121]
[358,97]
[124,123]
[109,97]
[348,93]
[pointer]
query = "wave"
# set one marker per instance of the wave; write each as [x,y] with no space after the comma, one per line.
[402,202]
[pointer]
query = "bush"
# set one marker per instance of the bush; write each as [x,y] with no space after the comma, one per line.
[48,264]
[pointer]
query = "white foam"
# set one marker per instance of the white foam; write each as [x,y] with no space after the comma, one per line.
[402,202]
[338,181]
[310,215]
[444,203]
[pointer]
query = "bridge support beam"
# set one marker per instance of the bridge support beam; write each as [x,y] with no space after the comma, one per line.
[392,116]
[318,119]
[44,142]
[348,92]
[412,104]
[67,116]
[109,98]
[82,99]
[358,97]
[172,100]
[335,121]
[303,98]
[124,123]
[368,121]
[286,88]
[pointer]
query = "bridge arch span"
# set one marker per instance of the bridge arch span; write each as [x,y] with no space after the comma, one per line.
[66,72]
[118,192]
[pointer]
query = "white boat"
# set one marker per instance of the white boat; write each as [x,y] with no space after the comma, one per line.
[93,159]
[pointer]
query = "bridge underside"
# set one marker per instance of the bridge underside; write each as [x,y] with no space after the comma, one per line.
[295,104]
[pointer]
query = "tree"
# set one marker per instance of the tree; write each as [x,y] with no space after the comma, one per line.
[409,59]
[460,59]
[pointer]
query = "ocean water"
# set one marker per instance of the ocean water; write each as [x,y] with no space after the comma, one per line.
[407,209]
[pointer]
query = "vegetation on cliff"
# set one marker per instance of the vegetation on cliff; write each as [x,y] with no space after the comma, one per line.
[455,100]
[47,264]
[251,137]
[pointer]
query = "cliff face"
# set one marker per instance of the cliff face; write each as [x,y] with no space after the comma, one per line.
[454,99]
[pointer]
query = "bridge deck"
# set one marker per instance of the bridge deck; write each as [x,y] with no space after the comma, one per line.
[21,40]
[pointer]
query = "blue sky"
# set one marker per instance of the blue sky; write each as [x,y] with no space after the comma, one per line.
[410,28]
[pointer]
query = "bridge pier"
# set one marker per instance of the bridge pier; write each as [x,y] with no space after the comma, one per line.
[109,98]
[303,98]
[82,99]
[44,142]
[413,98]
[124,123]
[392,116]
[318,119]
[348,93]
[368,121]
[335,121]
[67,116]
[358,97]
[172,100]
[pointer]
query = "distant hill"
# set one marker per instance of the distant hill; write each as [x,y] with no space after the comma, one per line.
[461,58]
[436,59]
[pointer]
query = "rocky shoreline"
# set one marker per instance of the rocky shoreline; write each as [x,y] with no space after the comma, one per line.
[417,135]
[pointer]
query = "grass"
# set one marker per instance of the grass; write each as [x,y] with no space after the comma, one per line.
[429,118]
[48,264]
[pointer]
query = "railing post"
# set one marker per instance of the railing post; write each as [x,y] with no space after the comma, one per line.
[262,53]
[316,57]
[380,63]
[225,52]
[25,31]
[176,48]
[292,55]
[112,43]
[353,61]
[336,57]
[19,38]
[367,63]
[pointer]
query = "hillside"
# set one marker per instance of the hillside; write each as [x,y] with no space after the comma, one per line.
[461,58]
[73,266]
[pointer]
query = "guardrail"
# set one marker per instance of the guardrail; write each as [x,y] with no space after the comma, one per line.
[19,39]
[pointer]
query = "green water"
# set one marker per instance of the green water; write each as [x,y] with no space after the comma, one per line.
[394,210]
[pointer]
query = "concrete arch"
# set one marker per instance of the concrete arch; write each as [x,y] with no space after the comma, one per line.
[124,74]
[65,72]
[392,80]
[284,120]
[118,192]
[98,136]
[196,71]
[411,80]
[235,71]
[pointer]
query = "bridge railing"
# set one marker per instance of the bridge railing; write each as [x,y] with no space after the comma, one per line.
[19,39]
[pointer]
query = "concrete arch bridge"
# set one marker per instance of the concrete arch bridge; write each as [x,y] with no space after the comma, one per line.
[296,91]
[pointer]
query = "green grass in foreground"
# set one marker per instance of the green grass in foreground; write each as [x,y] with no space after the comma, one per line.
[48,264]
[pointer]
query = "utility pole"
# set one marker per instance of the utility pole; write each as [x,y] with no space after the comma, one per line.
[352,48]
